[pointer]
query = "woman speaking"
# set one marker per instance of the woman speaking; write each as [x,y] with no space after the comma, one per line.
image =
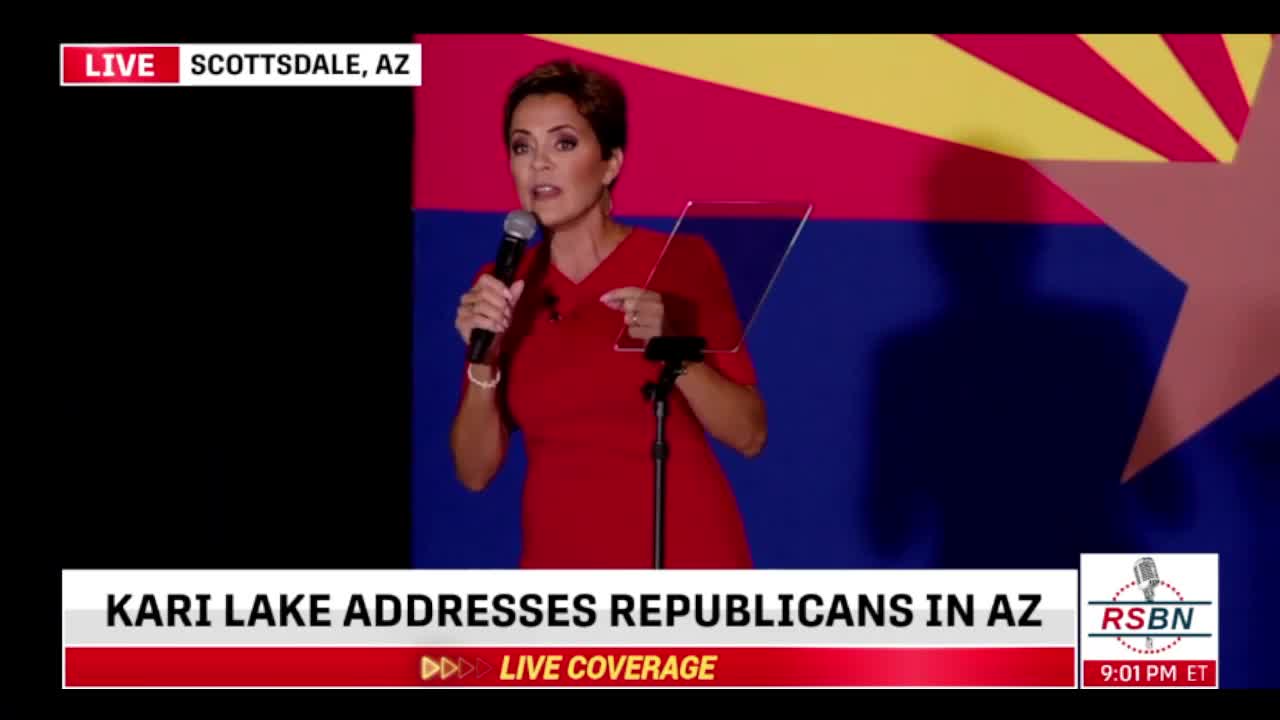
[553,374]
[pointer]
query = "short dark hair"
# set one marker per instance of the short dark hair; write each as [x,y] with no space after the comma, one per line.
[598,97]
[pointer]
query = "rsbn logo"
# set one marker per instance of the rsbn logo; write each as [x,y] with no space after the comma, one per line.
[1149,615]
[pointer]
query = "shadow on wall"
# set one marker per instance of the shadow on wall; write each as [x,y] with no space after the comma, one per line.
[1005,419]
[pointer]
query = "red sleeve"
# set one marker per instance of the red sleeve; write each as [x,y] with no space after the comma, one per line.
[718,319]
[736,366]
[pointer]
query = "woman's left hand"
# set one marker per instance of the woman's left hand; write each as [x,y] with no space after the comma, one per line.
[643,311]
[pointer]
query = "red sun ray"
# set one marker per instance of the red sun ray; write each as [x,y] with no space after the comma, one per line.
[1066,68]
[1208,61]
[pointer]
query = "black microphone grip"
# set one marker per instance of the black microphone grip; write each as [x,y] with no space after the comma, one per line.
[509,252]
[518,227]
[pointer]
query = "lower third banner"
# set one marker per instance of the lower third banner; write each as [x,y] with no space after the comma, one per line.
[418,628]
[488,667]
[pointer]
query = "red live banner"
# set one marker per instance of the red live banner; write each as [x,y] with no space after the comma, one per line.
[569,666]
[121,64]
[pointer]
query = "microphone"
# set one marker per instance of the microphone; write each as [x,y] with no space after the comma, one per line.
[517,229]
[552,302]
[1145,572]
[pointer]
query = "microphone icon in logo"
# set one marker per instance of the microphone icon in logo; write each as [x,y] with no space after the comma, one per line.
[1145,572]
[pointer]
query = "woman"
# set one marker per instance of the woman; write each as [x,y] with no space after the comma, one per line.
[554,374]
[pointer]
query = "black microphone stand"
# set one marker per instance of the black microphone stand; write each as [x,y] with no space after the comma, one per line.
[674,353]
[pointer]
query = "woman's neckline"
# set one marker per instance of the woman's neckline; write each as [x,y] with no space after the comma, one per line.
[630,230]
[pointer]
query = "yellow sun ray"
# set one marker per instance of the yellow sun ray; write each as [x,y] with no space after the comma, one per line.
[918,83]
[1249,54]
[1151,66]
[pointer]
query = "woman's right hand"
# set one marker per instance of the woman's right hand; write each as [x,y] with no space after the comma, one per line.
[488,305]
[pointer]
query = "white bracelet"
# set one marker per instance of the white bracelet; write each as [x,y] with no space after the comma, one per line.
[487,385]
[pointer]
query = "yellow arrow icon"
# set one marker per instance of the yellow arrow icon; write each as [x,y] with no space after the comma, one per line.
[450,667]
[429,668]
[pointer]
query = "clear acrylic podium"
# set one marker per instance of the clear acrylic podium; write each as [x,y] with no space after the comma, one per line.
[719,264]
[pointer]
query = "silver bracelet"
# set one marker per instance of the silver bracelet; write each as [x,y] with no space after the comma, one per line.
[487,385]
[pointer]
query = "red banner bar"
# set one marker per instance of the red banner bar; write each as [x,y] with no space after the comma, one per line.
[1150,673]
[121,64]
[569,666]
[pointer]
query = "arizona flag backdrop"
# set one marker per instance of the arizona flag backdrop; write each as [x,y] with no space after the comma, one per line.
[1043,270]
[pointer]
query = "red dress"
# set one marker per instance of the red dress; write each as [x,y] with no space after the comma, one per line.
[588,429]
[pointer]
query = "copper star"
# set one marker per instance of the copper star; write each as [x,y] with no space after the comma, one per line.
[1217,228]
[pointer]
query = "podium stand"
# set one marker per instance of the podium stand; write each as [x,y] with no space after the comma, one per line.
[719,264]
